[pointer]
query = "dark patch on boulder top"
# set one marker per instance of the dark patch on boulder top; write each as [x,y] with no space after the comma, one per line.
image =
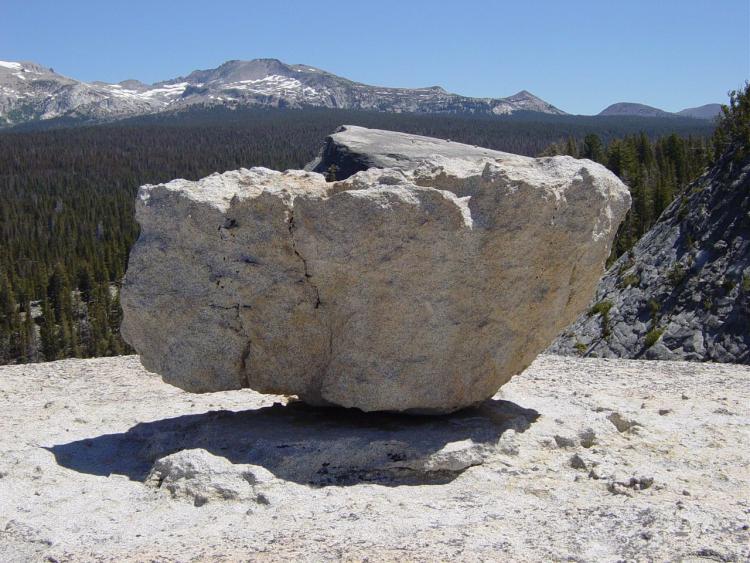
[352,149]
[346,162]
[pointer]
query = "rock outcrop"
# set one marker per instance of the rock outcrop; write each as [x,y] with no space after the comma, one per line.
[422,286]
[683,291]
[577,459]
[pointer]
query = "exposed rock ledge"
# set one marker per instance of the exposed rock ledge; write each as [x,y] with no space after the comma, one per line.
[422,287]
[683,291]
[576,459]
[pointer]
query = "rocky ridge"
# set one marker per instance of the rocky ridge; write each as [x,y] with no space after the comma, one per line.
[683,291]
[576,459]
[30,92]
[630,108]
[706,111]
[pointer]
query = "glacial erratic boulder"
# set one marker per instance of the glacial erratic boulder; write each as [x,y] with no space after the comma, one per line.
[421,283]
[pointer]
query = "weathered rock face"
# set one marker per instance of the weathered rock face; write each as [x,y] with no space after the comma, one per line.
[683,292]
[421,287]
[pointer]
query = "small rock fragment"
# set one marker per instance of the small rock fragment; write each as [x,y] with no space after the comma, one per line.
[564,442]
[587,438]
[623,424]
[577,462]
[621,487]
[201,477]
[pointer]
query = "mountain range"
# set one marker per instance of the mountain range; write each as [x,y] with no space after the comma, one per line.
[31,92]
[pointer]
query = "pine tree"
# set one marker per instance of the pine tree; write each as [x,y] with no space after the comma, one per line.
[59,292]
[592,148]
[48,334]
[30,352]
[85,281]
[571,147]
[7,319]
[732,134]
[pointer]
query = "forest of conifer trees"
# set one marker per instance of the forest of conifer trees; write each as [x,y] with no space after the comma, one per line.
[67,197]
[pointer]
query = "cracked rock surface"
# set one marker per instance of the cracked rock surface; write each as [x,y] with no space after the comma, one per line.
[574,460]
[421,283]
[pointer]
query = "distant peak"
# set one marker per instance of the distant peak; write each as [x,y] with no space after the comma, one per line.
[525,95]
[239,62]
[132,83]
[706,111]
[24,66]
[632,108]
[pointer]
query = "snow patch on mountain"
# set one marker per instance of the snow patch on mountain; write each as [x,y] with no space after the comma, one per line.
[11,65]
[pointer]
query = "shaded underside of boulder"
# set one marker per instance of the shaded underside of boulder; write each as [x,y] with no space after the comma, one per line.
[421,284]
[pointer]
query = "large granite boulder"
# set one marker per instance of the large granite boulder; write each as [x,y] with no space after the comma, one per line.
[420,287]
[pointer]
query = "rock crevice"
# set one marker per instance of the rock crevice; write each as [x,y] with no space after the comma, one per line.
[308,276]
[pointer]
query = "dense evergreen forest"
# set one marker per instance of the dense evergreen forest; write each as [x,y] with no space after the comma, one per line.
[66,194]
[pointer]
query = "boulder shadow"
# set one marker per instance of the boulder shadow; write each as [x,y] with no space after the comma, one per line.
[311,445]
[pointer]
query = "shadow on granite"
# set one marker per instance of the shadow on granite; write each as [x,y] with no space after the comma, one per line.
[311,445]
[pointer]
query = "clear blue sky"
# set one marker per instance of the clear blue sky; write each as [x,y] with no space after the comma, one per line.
[579,55]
